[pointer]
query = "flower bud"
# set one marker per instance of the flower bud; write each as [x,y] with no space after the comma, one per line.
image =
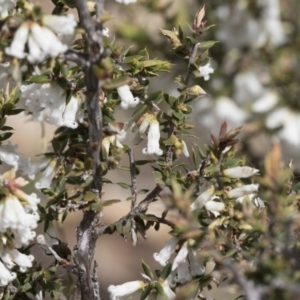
[240,172]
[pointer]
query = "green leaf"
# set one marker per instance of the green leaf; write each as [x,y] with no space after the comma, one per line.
[145,292]
[166,271]
[207,44]
[110,202]
[147,270]
[115,82]
[123,185]
[40,78]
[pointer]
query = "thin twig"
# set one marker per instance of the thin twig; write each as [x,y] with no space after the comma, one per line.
[141,208]
[78,58]
[201,174]
[191,60]
[96,282]
[133,186]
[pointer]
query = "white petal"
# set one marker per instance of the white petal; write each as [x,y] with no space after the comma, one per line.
[165,253]
[243,190]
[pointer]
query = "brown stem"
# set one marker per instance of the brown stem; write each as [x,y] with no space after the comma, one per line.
[86,237]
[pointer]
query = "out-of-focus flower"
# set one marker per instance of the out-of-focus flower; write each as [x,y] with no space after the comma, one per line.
[126,1]
[132,290]
[205,71]
[240,28]
[240,172]
[105,32]
[289,121]
[127,99]
[203,198]
[41,40]
[151,125]
[242,190]
[47,103]
[253,198]
[60,24]
[6,5]
[211,113]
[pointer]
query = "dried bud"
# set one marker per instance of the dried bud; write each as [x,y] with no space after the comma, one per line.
[197,24]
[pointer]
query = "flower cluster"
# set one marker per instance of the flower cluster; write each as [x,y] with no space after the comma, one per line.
[47,103]
[41,40]
[18,219]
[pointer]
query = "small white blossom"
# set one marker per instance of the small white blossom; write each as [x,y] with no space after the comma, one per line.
[205,71]
[242,191]
[240,172]
[185,149]
[166,252]
[127,99]
[125,290]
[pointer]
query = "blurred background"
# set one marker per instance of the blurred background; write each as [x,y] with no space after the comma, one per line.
[255,84]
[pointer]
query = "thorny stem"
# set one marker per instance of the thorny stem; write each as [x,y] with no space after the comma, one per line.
[201,179]
[86,237]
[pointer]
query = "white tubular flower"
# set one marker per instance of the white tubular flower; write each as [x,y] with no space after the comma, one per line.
[153,139]
[165,253]
[17,46]
[127,99]
[242,191]
[181,265]
[215,207]
[111,140]
[9,156]
[203,198]
[5,275]
[12,257]
[125,290]
[186,264]
[240,172]
[70,113]
[47,103]
[205,71]
[168,293]
[18,215]
[48,174]
[60,24]
[41,40]
[126,1]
